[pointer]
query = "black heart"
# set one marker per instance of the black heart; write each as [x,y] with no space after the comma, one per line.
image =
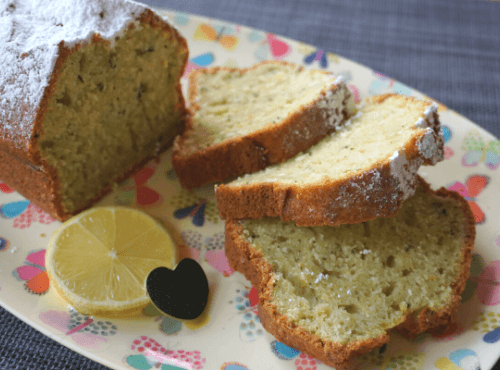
[181,293]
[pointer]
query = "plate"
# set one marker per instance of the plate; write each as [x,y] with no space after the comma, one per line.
[232,337]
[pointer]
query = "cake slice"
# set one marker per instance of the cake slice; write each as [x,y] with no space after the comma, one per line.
[334,292]
[365,169]
[89,91]
[246,119]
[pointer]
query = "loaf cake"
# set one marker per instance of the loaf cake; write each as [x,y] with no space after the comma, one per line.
[334,292]
[246,119]
[365,169]
[89,91]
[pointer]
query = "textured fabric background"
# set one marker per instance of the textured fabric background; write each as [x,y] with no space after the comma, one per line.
[449,50]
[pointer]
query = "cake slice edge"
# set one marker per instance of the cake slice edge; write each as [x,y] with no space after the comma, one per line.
[242,257]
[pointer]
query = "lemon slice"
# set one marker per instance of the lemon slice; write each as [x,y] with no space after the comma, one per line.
[99,260]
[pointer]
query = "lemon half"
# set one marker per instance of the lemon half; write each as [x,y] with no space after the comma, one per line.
[99,260]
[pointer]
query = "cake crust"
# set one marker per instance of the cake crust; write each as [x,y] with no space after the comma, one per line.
[23,167]
[242,257]
[257,150]
[377,191]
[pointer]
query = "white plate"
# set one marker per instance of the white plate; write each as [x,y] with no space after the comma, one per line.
[234,338]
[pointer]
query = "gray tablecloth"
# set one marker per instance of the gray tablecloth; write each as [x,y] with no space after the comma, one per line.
[449,50]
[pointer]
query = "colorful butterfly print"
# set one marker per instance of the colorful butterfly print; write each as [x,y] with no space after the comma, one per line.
[446,133]
[384,83]
[188,204]
[246,301]
[4,244]
[448,151]
[269,44]
[84,330]
[302,361]
[317,55]
[480,151]
[5,189]
[33,273]
[153,354]
[355,93]
[488,289]
[488,323]
[181,19]
[222,34]
[200,61]
[233,366]
[212,250]
[463,359]
[137,188]
[472,188]
[493,336]
[194,211]
[215,255]
[24,214]
[168,325]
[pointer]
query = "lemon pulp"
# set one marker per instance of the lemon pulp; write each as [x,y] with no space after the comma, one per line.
[99,259]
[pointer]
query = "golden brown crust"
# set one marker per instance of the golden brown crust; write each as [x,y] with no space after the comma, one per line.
[253,152]
[26,171]
[377,191]
[244,258]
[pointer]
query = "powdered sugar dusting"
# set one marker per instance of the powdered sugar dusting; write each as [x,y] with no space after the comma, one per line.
[428,118]
[332,102]
[404,172]
[427,146]
[30,34]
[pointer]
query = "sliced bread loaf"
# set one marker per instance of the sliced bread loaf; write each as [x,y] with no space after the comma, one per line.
[245,119]
[335,292]
[365,169]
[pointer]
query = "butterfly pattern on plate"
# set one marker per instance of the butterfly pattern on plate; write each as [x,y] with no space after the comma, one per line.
[83,330]
[168,325]
[215,255]
[181,19]
[472,188]
[488,323]
[224,35]
[199,61]
[301,360]
[24,214]
[448,151]
[33,273]
[5,188]
[136,188]
[4,244]
[463,359]
[213,249]
[153,355]
[246,301]
[483,279]
[384,83]
[189,205]
[270,46]
[479,150]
